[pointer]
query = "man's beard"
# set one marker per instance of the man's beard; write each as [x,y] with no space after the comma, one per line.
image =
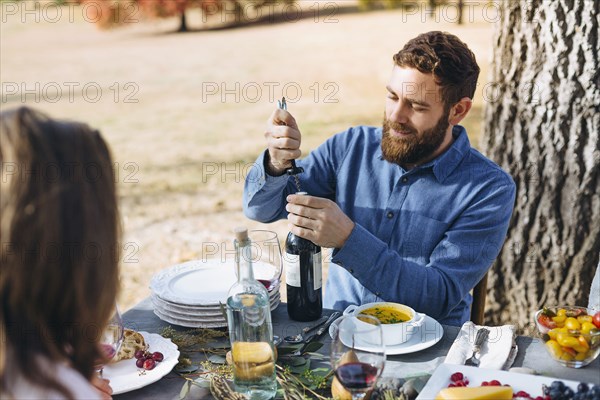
[414,148]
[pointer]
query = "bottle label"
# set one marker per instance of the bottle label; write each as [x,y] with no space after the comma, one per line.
[317,271]
[292,269]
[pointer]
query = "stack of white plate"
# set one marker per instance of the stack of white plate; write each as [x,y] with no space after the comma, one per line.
[194,294]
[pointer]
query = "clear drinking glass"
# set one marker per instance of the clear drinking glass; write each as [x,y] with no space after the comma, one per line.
[266,257]
[358,353]
[111,339]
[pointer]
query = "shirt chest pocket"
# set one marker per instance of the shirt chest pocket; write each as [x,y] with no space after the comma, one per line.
[418,236]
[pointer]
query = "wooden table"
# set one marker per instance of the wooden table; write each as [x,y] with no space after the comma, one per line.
[531,353]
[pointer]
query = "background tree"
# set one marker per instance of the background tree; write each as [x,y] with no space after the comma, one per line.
[117,12]
[542,124]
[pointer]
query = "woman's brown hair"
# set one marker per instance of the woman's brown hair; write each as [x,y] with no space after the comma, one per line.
[59,232]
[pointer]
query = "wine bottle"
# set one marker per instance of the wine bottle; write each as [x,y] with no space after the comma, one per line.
[303,268]
[250,328]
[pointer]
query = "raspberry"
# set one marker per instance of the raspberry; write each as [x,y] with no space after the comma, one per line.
[485,383]
[522,393]
[460,384]
[494,383]
[457,376]
[451,385]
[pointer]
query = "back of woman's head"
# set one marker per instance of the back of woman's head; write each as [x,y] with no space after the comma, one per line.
[58,236]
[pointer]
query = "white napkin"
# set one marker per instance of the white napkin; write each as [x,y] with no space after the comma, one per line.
[498,351]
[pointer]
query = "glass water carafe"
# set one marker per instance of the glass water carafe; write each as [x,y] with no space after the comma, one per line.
[250,328]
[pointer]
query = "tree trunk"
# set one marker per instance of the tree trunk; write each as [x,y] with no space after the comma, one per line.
[461,5]
[183,23]
[542,124]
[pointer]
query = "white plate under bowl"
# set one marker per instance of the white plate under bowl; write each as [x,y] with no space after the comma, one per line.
[532,384]
[426,336]
[125,376]
[199,282]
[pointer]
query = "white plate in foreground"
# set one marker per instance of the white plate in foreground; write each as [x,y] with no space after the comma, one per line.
[532,384]
[125,376]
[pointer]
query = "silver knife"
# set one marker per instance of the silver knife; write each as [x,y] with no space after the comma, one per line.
[335,315]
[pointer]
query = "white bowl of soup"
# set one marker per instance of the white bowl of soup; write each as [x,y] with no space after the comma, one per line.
[398,322]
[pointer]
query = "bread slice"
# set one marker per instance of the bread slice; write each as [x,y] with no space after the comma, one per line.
[132,342]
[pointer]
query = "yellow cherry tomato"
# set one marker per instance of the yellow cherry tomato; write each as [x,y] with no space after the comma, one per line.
[552,333]
[566,356]
[584,318]
[581,356]
[586,327]
[566,340]
[583,342]
[554,348]
[572,324]
[559,319]
[561,312]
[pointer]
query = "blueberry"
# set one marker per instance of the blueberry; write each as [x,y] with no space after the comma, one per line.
[557,385]
[583,387]
[555,394]
[579,396]
[595,391]
[568,393]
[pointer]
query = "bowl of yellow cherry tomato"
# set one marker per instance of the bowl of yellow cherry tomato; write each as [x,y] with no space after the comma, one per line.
[571,334]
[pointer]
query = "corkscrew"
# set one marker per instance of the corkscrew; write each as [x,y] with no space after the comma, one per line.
[294,170]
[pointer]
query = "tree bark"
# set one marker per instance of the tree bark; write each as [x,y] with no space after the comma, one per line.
[542,124]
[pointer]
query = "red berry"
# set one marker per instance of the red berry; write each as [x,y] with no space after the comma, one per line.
[158,356]
[539,398]
[494,383]
[457,376]
[460,384]
[466,381]
[140,362]
[149,364]
[139,354]
[451,385]
[485,383]
[522,393]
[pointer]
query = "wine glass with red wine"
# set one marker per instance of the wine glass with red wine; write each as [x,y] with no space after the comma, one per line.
[267,262]
[111,339]
[357,353]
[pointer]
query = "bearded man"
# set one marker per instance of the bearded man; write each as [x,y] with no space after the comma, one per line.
[414,214]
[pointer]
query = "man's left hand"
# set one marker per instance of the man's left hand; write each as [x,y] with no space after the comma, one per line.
[319,220]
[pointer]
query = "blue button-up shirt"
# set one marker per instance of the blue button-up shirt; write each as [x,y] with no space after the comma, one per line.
[423,237]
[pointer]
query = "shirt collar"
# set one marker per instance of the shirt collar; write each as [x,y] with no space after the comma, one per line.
[447,162]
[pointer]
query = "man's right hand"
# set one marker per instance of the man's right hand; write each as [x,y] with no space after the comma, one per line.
[283,141]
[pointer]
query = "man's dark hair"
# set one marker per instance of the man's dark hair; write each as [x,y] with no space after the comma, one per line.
[448,58]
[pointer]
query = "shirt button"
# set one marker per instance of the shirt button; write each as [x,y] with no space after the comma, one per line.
[378,294]
[404,180]
[390,215]
[351,271]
